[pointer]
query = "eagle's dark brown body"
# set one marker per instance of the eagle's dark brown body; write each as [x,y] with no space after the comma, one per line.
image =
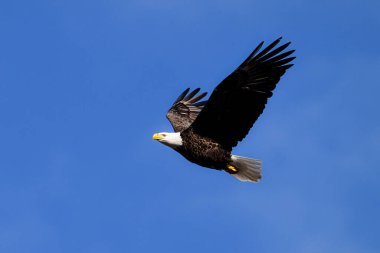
[203,151]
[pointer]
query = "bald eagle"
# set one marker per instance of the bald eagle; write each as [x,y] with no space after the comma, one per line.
[206,131]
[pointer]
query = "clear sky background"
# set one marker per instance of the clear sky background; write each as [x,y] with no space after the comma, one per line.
[85,84]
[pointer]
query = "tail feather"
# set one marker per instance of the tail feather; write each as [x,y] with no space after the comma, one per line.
[248,169]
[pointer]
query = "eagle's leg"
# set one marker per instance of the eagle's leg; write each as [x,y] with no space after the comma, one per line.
[231,169]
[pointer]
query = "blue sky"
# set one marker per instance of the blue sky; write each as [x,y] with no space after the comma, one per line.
[85,84]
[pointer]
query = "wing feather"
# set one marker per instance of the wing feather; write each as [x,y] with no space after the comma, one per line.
[185,109]
[238,101]
[181,96]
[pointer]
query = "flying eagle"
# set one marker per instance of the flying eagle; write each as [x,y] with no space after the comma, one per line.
[206,131]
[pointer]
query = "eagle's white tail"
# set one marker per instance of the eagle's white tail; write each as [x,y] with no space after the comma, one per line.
[248,169]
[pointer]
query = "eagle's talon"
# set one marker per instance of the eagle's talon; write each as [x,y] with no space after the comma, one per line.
[231,169]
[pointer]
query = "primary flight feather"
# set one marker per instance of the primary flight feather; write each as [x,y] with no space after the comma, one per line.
[206,131]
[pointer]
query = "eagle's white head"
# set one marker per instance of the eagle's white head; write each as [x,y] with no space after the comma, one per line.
[172,140]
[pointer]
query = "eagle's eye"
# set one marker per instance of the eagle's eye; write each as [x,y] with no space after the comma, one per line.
[164,135]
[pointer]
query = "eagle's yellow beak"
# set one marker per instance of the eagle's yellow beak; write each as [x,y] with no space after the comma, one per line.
[157,137]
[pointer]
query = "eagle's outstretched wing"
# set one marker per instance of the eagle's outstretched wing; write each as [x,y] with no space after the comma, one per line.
[185,109]
[238,100]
